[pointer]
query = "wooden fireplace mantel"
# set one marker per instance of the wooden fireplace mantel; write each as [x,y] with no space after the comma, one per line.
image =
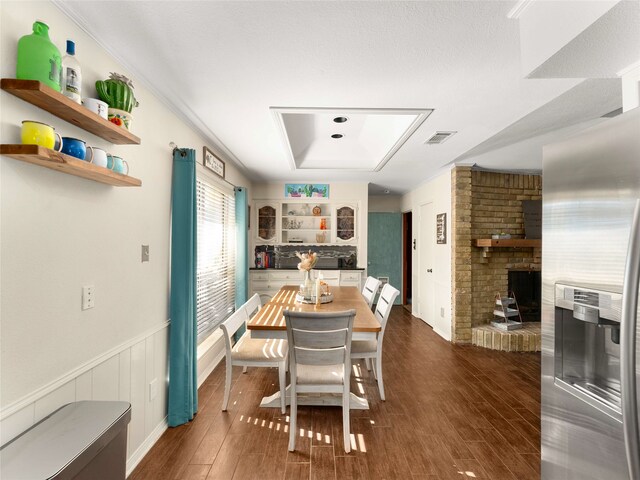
[508,242]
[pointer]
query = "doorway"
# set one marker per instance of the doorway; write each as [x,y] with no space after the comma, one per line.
[407,259]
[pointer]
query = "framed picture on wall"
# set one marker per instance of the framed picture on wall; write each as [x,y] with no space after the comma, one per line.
[212,162]
[441,228]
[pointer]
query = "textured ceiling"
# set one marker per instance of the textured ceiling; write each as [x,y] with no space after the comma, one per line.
[222,65]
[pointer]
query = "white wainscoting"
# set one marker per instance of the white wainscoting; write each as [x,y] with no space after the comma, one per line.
[123,373]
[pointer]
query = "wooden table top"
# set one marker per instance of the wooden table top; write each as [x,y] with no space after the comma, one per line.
[271,317]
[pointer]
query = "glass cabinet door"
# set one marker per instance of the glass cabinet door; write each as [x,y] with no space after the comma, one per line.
[266,223]
[345,224]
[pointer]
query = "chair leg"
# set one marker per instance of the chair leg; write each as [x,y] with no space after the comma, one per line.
[367,362]
[244,369]
[227,385]
[293,417]
[374,368]
[345,420]
[283,385]
[379,370]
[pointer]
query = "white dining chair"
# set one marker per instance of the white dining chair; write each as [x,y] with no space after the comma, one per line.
[370,289]
[252,306]
[372,349]
[252,352]
[319,361]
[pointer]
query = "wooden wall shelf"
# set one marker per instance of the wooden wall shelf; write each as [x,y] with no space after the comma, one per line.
[40,95]
[66,164]
[508,242]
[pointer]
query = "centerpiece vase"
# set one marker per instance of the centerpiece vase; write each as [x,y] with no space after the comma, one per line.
[308,284]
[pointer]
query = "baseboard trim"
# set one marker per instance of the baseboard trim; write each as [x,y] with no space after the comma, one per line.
[143,449]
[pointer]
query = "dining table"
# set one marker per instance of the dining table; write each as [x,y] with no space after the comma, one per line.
[269,322]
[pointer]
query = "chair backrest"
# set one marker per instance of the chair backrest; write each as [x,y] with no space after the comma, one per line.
[385,302]
[370,289]
[319,338]
[231,325]
[253,304]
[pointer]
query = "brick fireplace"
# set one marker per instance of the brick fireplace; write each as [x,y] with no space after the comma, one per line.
[486,203]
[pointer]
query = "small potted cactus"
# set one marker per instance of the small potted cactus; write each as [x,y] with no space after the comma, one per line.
[117,91]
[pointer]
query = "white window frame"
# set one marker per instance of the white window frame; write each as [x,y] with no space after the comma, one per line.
[213,305]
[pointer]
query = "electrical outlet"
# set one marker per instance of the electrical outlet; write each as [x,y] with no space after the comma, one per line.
[145,253]
[88,297]
[442,312]
[153,389]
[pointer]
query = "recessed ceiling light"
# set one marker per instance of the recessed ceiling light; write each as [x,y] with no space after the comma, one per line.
[337,135]
[340,119]
[387,192]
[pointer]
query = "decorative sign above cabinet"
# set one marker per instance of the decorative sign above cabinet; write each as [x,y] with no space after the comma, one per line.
[301,190]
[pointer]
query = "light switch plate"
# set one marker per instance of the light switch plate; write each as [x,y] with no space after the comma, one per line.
[145,253]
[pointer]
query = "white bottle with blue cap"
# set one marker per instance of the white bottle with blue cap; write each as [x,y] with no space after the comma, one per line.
[71,75]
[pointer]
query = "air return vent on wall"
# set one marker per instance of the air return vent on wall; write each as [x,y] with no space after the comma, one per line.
[438,137]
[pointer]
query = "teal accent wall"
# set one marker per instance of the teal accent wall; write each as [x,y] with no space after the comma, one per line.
[385,248]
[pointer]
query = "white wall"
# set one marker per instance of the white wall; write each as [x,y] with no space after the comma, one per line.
[60,232]
[437,191]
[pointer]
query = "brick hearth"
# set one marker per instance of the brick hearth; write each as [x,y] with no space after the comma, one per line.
[526,339]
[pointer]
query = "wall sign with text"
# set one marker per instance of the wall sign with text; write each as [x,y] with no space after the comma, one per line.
[441,228]
[212,162]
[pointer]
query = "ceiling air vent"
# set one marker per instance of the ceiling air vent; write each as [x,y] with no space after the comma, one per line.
[438,137]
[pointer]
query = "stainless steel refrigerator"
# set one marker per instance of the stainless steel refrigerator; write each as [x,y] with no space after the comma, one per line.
[590,265]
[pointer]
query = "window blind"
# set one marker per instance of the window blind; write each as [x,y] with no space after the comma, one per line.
[216,250]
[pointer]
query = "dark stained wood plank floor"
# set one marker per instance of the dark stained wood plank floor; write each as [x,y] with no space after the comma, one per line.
[452,412]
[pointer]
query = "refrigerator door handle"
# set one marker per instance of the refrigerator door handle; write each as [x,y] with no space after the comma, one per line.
[628,347]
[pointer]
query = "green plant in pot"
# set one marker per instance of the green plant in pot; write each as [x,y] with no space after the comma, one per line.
[117,91]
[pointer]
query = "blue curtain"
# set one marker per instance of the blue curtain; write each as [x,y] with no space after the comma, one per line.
[183,372]
[242,246]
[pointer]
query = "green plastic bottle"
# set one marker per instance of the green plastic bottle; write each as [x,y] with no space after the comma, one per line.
[39,58]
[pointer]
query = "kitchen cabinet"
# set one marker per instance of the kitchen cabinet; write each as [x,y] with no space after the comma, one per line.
[351,279]
[266,283]
[346,224]
[306,223]
[267,216]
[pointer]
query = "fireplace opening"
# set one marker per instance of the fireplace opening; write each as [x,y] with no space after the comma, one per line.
[526,285]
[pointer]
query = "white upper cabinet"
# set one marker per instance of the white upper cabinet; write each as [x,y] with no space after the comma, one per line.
[267,222]
[306,223]
[346,223]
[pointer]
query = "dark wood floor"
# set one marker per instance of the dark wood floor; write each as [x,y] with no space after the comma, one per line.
[451,412]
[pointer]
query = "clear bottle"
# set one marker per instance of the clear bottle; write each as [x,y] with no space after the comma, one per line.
[71,75]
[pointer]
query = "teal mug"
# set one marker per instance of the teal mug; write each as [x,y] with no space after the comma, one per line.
[117,164]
